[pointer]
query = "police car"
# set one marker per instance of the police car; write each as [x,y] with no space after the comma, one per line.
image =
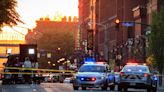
[135,75]
[94,74]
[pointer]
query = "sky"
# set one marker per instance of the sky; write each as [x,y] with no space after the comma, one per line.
[32,10]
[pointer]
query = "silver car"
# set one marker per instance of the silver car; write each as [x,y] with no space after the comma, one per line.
[93,75]
[136,76]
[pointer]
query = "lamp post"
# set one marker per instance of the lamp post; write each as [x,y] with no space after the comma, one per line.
[105,27]
[49,64]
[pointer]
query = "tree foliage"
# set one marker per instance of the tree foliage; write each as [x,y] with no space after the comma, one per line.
[157,39]
[8,14]
[53,39]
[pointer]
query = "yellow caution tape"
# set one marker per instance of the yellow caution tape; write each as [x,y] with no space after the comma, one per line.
[31,73]
[38,70]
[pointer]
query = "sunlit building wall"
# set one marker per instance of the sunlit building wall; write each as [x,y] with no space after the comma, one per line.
[104,13]
[9,44]
[85,16]
[67,23]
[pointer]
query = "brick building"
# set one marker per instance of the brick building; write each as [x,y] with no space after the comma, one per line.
[84,17]
[43,25]
[51,55]
[143,14]
[104,13]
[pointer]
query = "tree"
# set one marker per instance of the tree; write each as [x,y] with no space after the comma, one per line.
[8,14]
[51,40]
[156,46]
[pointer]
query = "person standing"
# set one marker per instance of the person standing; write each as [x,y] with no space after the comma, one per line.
[16,63]
[27,64]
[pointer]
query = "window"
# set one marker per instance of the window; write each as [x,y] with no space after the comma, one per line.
[92,68]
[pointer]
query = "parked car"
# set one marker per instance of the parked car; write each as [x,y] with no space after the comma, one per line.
[68,80]
[1,76]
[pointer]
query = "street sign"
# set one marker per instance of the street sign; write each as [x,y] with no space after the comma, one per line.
[128,24]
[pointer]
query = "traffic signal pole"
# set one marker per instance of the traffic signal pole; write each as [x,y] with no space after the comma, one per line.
[131,24]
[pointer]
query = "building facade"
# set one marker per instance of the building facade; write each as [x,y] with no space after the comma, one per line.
[127,42]
[49,56]
[9,44]
[104,13]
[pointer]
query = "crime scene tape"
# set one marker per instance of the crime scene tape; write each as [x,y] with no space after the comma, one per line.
[33,73]
[34,70]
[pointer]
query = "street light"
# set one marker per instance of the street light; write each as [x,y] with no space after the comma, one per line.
[105,27]
[53,64]
[49,62]
[59,49]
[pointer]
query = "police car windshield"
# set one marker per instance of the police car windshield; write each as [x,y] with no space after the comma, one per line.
[92,68]
[135,69]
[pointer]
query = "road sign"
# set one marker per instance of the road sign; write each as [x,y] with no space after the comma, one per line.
[128,24]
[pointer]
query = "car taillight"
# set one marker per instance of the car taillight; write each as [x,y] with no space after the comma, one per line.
[145,74]
[2,76]
[49,78]
[93,79]
[122,73]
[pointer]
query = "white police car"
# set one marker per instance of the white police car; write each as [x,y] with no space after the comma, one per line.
[94,75]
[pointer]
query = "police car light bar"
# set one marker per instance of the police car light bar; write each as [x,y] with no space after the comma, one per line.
[136,63]
[132,63]
[89,60]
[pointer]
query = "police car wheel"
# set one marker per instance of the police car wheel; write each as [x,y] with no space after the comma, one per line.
[148,89]
[119,88]
[75,87]
[104,88]
[83,88]
[125,89]
[112,87]
[154,89]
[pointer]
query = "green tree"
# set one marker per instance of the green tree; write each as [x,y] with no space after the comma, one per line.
[8,14]
[53,39]
[157,39]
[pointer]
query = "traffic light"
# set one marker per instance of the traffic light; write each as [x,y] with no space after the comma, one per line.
[117,24]
[89,39]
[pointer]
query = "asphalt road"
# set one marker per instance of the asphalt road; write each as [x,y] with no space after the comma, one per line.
[51,87]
